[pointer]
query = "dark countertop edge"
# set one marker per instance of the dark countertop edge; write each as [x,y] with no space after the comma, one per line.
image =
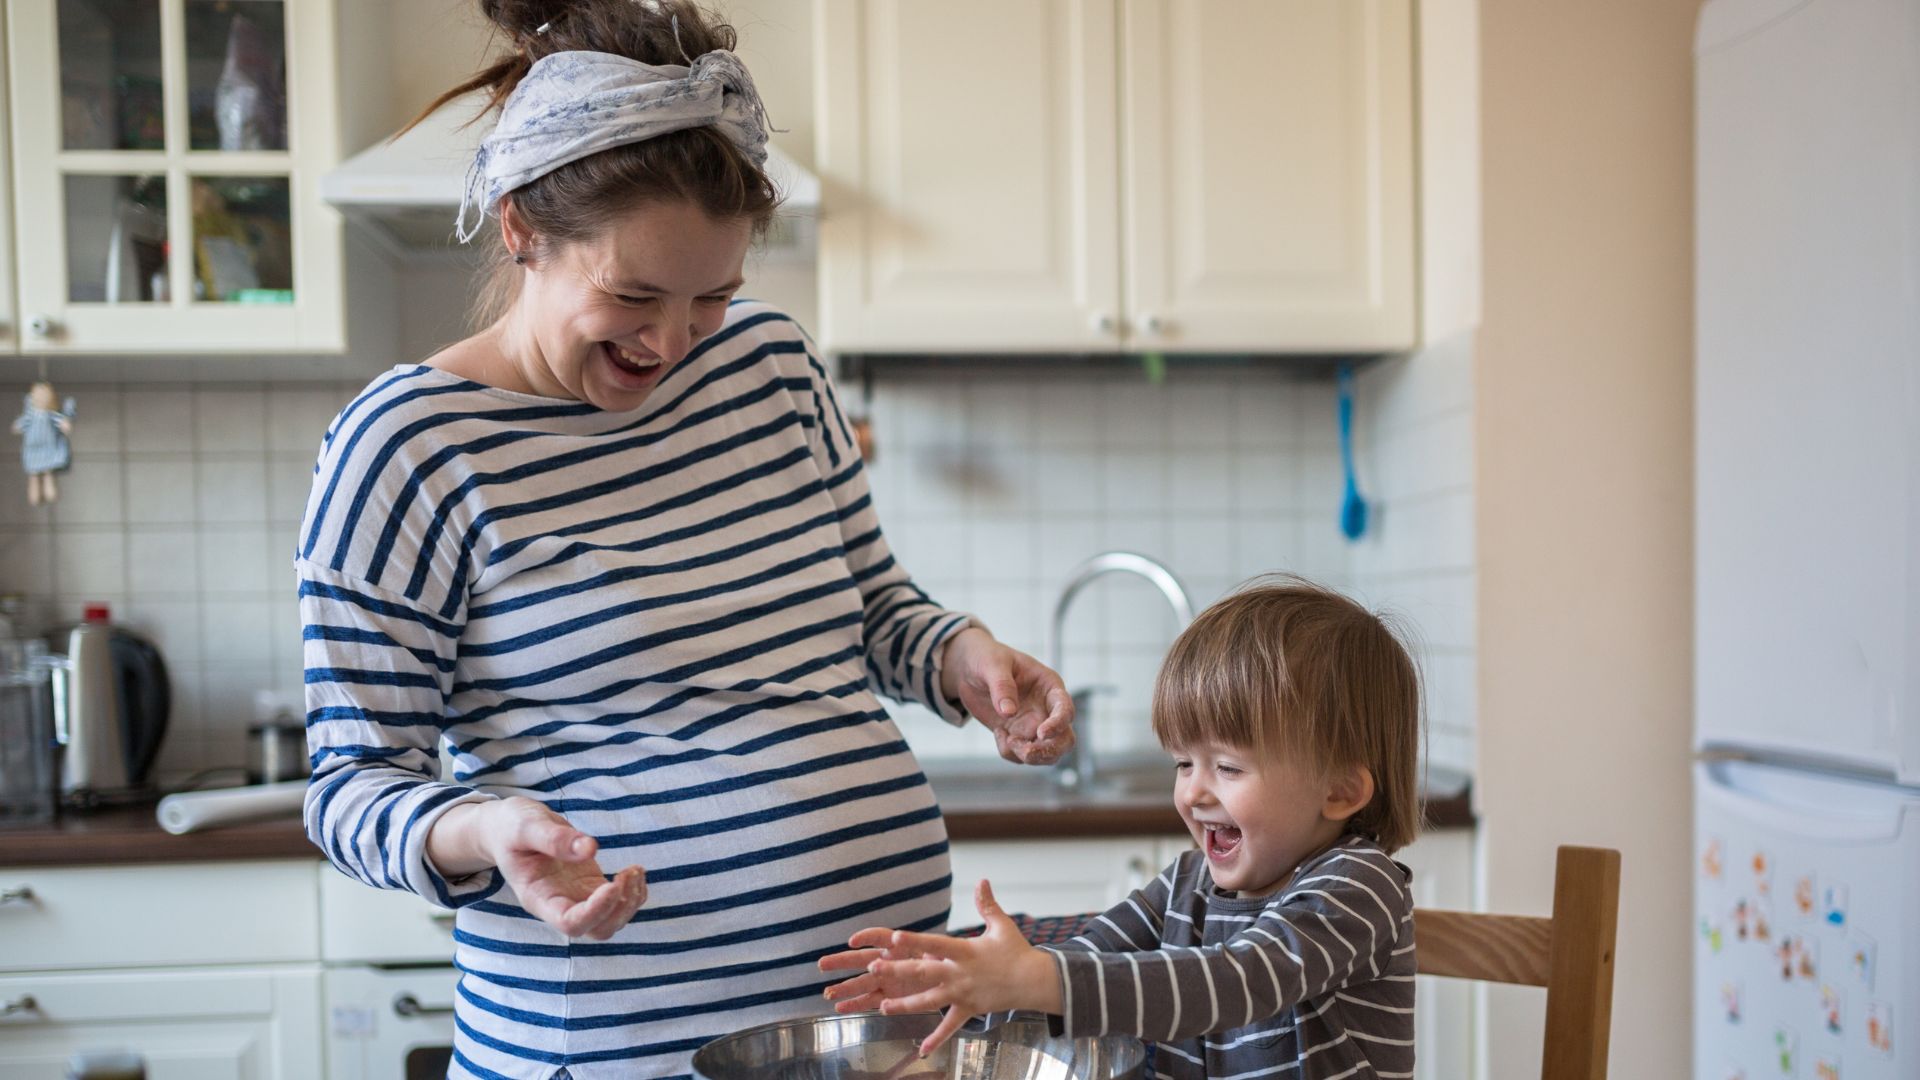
[129,835]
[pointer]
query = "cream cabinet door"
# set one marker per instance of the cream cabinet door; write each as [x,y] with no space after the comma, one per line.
[166,160]
[967,161]
[214,1024]
[1267,154]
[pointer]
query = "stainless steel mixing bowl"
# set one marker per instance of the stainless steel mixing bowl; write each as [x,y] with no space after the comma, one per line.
[864,1046]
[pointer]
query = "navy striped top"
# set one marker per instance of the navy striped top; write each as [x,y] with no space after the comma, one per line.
[667,625]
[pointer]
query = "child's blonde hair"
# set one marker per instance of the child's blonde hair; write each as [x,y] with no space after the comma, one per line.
[1285,666]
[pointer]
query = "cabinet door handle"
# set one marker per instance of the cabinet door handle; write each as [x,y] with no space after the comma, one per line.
[22,1004]
[1153,324]
[43,326]
[19,894]
[1104,323]
[407,1006]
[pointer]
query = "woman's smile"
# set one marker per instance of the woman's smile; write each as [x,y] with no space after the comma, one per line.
[632,370]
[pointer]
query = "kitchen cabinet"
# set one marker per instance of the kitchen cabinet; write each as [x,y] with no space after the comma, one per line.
[1442,864]
[207,970]
[388,1022]
[1107,175]
[57,918]
[164,170]
[360,925]
[216,1024]
[1051,877]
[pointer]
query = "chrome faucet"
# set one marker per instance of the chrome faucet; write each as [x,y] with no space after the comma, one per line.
[1076,766]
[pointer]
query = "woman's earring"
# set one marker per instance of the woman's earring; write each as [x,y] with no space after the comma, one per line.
[519,258]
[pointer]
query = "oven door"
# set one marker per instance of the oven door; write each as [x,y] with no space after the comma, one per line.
[390,1023]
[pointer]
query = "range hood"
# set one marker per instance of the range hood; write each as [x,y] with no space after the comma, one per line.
[406,190]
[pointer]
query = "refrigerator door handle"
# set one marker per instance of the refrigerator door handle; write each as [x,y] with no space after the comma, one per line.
[1804,822]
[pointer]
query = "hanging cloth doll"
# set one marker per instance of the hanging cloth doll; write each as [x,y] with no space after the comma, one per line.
[45,423]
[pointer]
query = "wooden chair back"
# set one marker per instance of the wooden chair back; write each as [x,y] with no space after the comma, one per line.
[1571,954]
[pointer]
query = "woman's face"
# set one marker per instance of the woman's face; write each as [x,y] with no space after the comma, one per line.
[609,318]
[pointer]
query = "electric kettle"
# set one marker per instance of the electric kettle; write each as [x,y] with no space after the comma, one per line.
[111,699]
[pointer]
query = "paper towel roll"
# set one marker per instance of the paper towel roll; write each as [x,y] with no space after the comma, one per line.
[191,810]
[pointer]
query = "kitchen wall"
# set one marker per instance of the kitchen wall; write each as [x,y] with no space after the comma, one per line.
[1583,416]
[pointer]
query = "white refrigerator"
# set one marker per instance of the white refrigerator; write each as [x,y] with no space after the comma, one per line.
[1806,878]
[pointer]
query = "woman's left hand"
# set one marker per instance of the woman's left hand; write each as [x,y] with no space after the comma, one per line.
[1019,698]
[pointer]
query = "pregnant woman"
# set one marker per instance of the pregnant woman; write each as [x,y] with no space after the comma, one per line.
[616,550]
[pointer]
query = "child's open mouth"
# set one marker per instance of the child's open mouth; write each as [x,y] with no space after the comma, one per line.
[1222,842]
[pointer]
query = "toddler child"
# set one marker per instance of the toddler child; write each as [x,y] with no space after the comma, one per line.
[1283,943]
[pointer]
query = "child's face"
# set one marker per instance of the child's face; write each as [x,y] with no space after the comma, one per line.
[1255,816]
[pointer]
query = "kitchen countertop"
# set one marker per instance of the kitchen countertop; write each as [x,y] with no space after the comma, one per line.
[979,805]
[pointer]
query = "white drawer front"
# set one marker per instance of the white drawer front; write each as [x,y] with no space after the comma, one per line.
[179,914]
[221,1024]
[380,926]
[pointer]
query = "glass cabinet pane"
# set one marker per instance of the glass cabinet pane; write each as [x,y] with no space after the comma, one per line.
[236,74]
[242,239]
[110,75]
[116,239]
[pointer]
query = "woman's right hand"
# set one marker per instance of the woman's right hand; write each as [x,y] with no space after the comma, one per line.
[550,866]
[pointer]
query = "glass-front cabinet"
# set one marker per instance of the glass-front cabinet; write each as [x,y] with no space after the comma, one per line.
[165,163]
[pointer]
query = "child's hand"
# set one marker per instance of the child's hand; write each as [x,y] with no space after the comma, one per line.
[967,977]
[862,993]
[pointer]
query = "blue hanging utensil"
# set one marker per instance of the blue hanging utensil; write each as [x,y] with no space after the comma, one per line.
[1353,509]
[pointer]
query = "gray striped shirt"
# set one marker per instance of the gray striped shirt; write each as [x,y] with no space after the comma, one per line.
[1315,981]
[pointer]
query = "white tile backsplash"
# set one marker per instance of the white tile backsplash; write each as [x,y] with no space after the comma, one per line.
[229,420]
[179,512]
[1415,456]
[160,491]
[241,559]
[163,561]
[232,491]
[92,492]
[154,419]
[90,561]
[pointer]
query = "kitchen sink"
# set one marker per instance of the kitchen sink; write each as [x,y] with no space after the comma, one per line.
[999,785]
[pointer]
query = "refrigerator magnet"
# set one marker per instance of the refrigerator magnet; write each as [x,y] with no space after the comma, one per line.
[1833,905]
[1806,958]
[1860,959]
[1711,934]
[1734,1072]
[1742,919]
[1824,1069]
[1786,1050]
[1762,922]
[1713,859]
[1803,895]
[1830,1007]
[1762,873]
[1730,1000]
[1880,1027]
[1783,953]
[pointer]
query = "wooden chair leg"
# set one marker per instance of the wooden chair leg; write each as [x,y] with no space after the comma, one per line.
[1586,913]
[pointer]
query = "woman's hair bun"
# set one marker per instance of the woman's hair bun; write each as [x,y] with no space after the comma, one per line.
[522,18]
